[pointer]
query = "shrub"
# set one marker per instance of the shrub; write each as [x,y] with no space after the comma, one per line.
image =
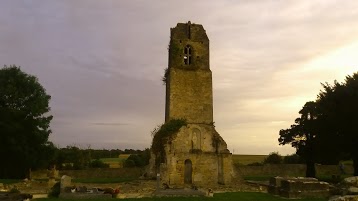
[14,190]
[55,190]
[255,164]
[273,158]
[293,159]
[98,164]
[129,163]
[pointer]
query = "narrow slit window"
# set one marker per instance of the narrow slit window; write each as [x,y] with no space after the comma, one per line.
[187,55]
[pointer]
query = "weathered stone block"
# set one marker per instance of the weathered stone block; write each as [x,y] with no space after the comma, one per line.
[65,181]
[294,185]
[344,198]
[351,181]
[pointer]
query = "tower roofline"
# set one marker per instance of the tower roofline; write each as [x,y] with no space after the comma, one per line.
[191,31]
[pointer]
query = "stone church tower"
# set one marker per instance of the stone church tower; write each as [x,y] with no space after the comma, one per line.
[197,154]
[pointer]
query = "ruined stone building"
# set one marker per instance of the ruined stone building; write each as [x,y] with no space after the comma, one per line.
[197,154]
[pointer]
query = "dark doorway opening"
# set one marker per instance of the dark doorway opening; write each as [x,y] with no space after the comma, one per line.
[188,172]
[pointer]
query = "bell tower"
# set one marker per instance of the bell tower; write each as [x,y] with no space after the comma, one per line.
[196,153]
[189,79]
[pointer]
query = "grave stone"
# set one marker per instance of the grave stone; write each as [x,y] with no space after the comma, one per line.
[65,182]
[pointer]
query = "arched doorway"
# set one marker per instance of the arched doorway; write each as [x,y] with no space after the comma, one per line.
[188,172]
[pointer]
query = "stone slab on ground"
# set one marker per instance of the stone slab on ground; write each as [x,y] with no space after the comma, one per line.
[35,196]
[344,198]
[84,196]
[134,195]
[178,192]
[275,183]
[303,189]
[305,194]
[294,185]
[298,187]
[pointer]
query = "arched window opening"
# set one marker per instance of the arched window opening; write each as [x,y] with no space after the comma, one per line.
[187,55]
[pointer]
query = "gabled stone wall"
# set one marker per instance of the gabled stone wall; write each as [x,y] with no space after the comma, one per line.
[210,159]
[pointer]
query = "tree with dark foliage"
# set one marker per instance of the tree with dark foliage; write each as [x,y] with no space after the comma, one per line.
[24,123]
[339,107]
[327,130]
[302,136]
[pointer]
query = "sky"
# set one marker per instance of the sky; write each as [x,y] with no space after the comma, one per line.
[102,62]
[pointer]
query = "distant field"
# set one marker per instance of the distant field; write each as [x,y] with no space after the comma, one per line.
[115,162]
[247,159]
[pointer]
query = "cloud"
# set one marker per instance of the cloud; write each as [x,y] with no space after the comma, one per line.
[102,62]
[109,124]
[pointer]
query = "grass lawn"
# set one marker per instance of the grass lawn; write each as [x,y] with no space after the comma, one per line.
[247,159]
[242,196]
[103,180]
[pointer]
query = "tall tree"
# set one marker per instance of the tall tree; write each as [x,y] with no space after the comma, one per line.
[302,136]
[339,107]
[327,129]
[24,122]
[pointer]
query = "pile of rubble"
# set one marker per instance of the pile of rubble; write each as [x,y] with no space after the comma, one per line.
[347,190]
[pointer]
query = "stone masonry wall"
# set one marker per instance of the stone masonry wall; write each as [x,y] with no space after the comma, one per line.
[190,95]
[195,143]
[197,154]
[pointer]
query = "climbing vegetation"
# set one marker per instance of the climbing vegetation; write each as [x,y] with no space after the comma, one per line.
[163,134]
[165,76]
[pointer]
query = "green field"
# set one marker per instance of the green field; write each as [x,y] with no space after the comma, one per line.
[115,162]
[242,196]
[247,159]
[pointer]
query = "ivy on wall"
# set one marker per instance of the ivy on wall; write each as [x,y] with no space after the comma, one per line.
[162,135]
[165,76]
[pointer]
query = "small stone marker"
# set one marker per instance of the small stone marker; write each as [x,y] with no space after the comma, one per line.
[158,181]
[65,181]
